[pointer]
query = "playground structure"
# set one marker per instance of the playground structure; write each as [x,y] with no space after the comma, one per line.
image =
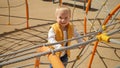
[103,33]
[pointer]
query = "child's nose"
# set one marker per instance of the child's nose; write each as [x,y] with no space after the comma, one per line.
[63,20]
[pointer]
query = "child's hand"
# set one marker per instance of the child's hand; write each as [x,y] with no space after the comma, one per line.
[43,49]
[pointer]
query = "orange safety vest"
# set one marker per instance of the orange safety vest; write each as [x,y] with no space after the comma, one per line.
[59,35]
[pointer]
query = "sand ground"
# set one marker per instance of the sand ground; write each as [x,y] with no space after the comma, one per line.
[15,36]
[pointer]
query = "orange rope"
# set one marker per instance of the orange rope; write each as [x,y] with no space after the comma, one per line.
[60,2]
[27,13]
[85,25]
[37,62]
[88,6]
[96,43]
[111,13]
[93,53]
[85,20]
[9,12]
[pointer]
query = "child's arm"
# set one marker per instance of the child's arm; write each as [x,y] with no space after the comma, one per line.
[51,38]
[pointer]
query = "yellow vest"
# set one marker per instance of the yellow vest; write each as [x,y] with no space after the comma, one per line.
[59,35]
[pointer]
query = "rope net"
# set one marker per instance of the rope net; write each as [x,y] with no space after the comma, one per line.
[18,47]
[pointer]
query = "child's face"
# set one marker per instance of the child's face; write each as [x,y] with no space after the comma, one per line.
[63,18]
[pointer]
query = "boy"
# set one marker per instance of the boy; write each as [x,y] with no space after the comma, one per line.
[62,30]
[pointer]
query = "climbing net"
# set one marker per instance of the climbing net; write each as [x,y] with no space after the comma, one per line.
[103,29]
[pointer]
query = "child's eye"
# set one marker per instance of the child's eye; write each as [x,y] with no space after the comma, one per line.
[60,17]
[66,17]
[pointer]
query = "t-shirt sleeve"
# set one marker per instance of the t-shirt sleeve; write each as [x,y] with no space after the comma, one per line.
[51,38]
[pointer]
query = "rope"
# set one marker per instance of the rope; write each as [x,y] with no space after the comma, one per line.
[100,37]
[55,50]
[15,6]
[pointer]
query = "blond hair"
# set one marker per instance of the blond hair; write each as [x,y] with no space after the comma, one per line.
[63,8]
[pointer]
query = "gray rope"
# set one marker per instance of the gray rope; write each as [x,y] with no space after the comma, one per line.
[55,50]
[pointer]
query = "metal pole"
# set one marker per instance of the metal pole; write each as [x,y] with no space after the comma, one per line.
[114,41]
